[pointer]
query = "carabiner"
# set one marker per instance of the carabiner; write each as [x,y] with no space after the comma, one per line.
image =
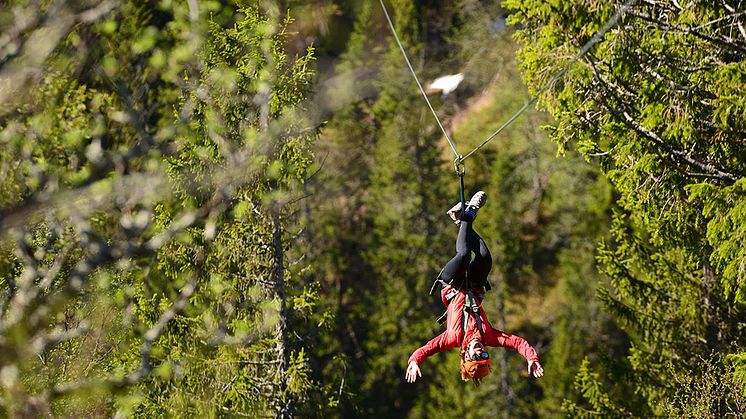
[458,164]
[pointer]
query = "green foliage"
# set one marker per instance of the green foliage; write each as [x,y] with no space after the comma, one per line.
[738,361]
[713,393]
[198,223]
[651,102]
[588,383]
[163,159]
[726,232]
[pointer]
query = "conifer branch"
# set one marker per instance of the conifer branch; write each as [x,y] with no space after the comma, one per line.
[146,365]
[619,93]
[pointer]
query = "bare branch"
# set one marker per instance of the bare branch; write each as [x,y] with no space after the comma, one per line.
[707,167]
[726,42]
[56,336]
[43,31]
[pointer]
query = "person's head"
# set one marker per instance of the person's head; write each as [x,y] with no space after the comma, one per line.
[475,362]
[475,351]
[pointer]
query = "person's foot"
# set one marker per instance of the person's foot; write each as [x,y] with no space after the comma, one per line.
[477,201]
[455,213]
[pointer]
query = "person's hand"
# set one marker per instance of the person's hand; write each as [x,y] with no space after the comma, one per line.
[535,369]
[413,371]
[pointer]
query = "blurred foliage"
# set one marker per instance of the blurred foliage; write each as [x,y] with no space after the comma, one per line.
[148,213]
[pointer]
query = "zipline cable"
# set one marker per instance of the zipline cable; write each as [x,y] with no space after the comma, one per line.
[588,45]
[424,95]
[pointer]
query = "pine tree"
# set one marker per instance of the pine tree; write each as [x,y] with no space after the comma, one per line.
[151,209]
[653,102]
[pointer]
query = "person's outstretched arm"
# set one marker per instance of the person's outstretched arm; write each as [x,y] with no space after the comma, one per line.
[442,342]
[494,337]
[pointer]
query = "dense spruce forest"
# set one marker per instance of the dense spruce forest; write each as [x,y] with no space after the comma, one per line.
[237,208]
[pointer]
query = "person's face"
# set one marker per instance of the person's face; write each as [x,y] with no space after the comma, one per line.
[475,350]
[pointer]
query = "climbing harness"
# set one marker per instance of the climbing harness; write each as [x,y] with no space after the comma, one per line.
[470,302]
[471,308]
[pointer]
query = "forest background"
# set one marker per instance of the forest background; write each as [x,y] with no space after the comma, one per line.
[237,208]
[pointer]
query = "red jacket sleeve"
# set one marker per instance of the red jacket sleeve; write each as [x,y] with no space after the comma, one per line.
[494,337]
[440,343]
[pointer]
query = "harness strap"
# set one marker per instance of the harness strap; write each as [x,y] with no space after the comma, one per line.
[465,320]
[452,293]
[449,296]
[478,318]
[471,308]
[472,304]
[469,302]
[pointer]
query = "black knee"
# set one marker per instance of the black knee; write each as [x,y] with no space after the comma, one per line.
[484,254]
[463,257]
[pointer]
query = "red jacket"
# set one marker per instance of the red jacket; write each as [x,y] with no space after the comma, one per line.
[454,332]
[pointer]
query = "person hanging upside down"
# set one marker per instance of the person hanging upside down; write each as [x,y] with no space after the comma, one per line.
[467,325]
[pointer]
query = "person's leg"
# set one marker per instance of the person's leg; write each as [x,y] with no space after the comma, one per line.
[456,267]
[481,266]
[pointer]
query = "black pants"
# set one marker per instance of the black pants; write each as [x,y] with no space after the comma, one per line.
[456,269]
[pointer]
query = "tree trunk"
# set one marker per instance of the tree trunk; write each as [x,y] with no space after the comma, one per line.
[283,402]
